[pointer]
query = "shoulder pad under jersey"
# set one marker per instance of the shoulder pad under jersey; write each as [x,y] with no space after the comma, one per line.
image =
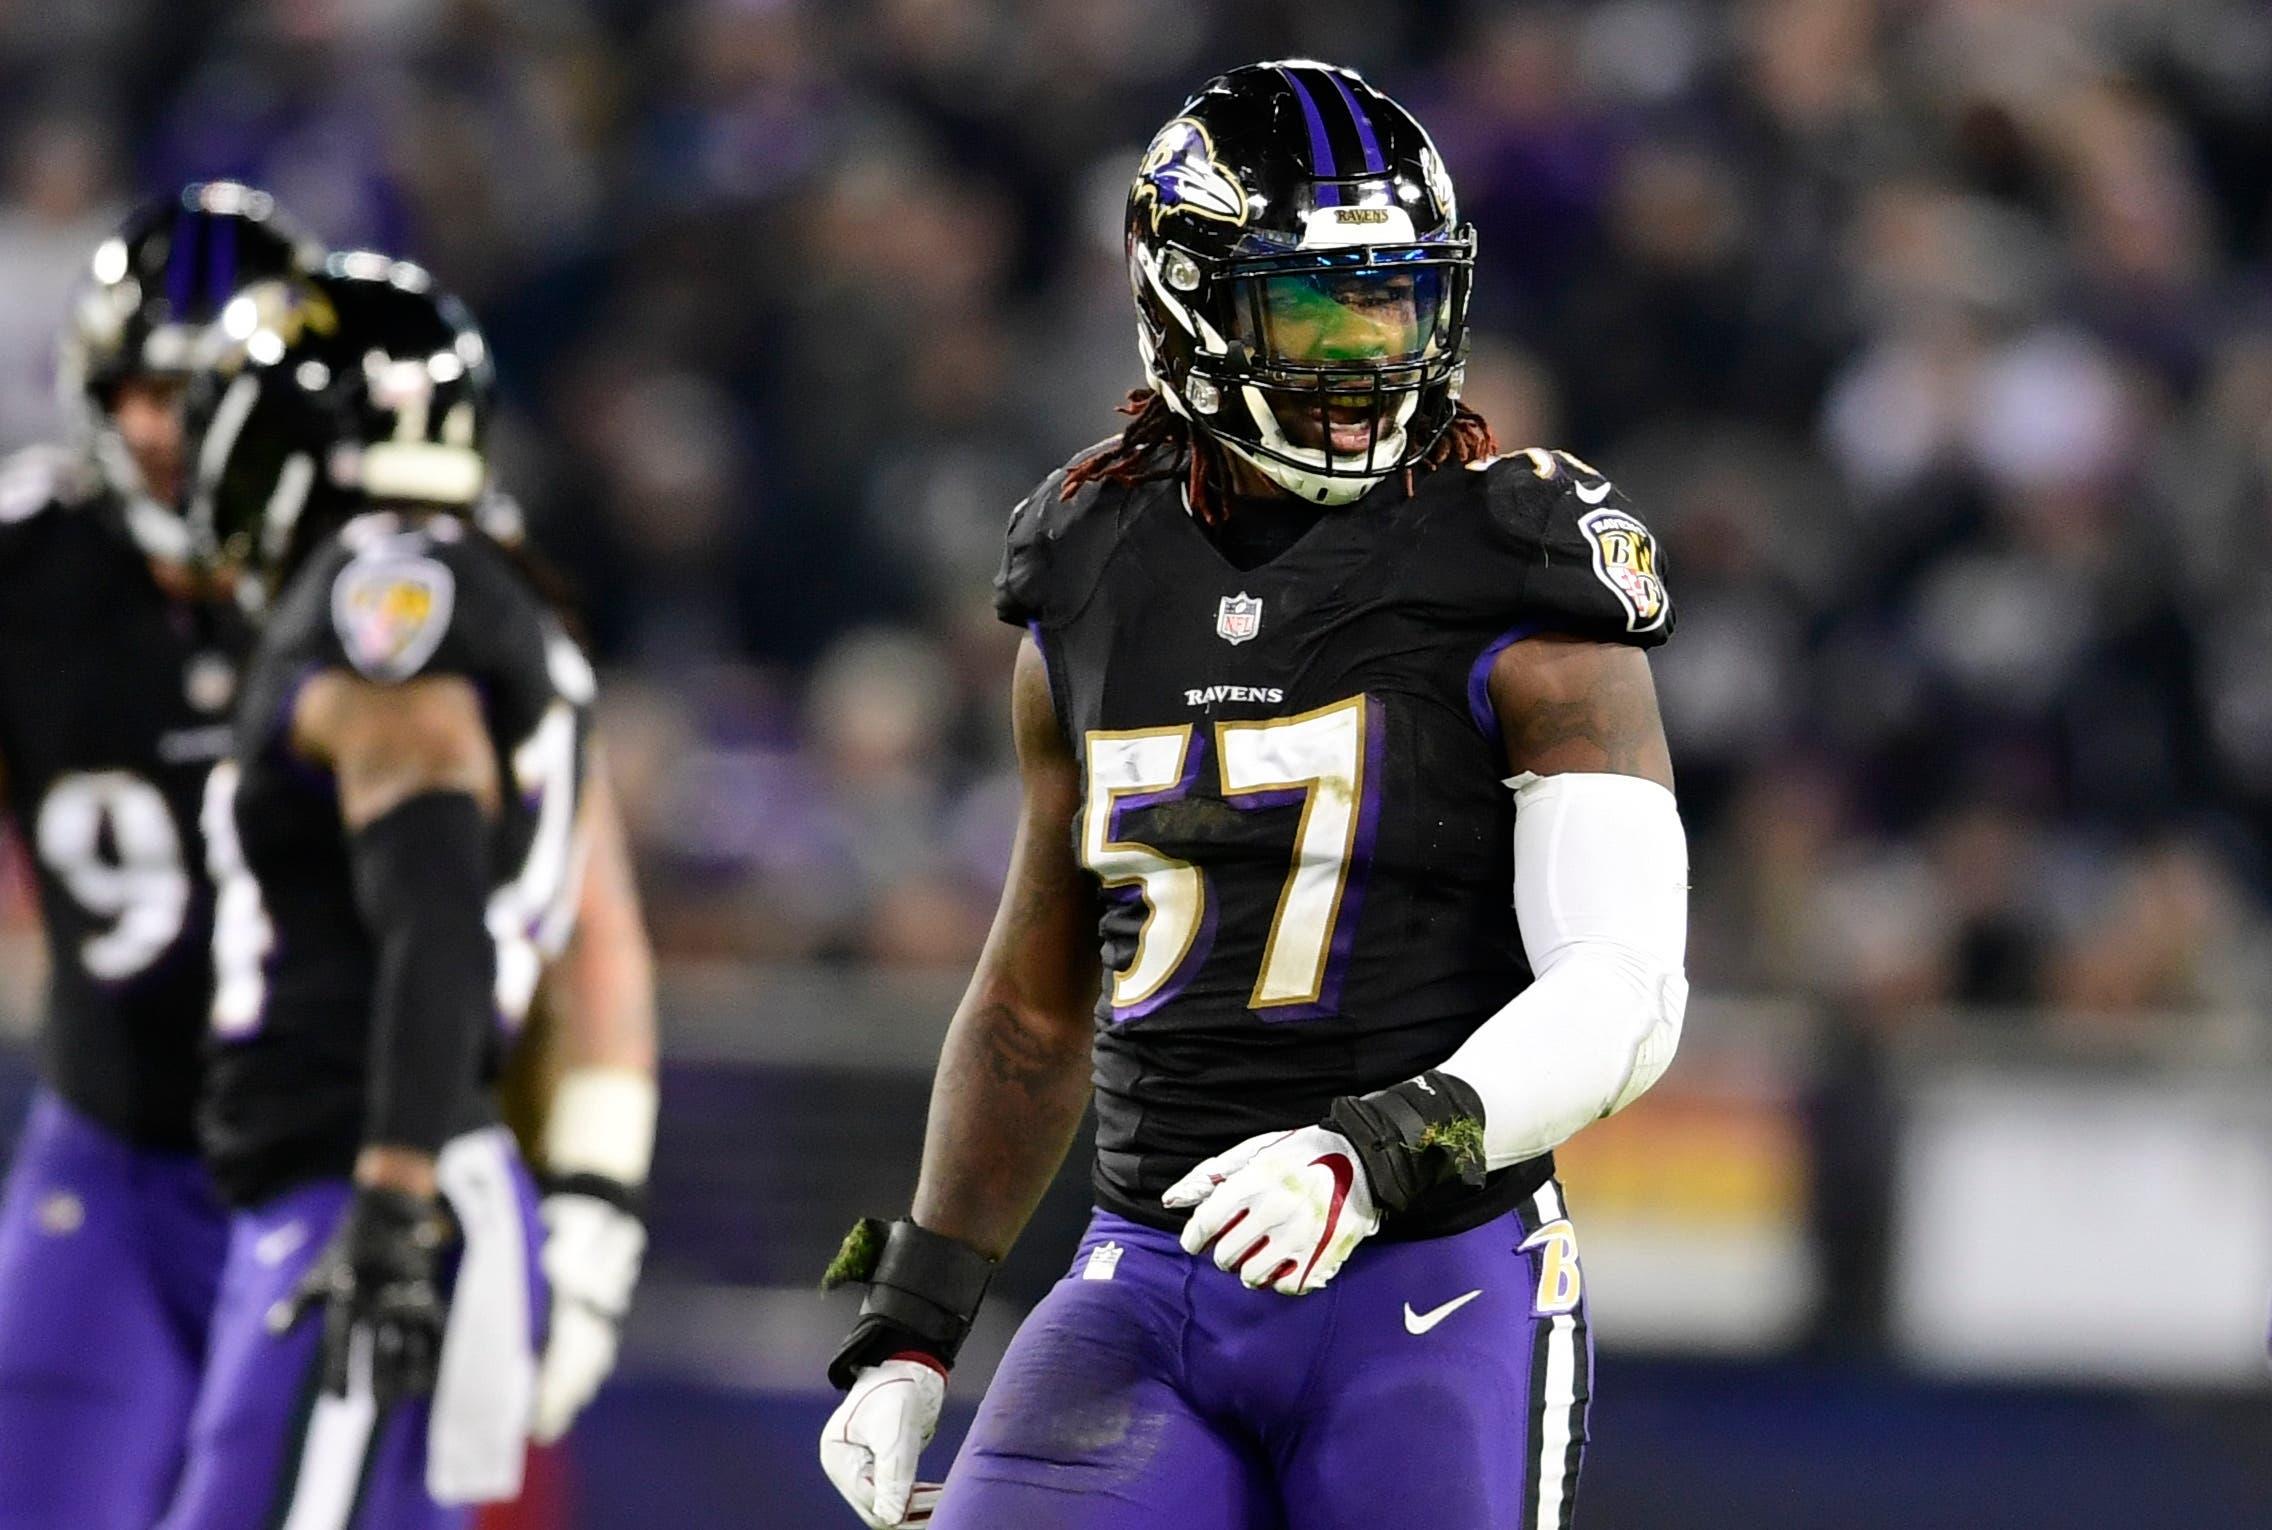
[1056,550]
[1588,566]
[394,601]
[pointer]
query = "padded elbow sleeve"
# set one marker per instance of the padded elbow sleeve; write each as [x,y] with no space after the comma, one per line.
[422,883]
[1601,895]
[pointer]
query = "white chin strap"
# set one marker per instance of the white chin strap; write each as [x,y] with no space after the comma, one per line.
[1318,488]
[1313,485]
[1310,474]
[1318,474]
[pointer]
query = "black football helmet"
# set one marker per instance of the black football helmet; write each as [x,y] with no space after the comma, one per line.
[1301,276]
[362,387]
[149,293]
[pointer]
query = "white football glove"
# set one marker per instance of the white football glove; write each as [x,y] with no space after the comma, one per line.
[870,1446]
[1281,1211]
[591,1260]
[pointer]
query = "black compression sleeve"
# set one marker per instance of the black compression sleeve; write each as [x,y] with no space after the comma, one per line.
[422,882]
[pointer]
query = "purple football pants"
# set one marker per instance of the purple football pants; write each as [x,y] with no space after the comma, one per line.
[264,1450]
[109,1256]
[1438,1384]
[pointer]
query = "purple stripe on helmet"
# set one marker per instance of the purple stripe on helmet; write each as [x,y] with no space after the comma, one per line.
[1321,147]
[1479,678]
[1372,145]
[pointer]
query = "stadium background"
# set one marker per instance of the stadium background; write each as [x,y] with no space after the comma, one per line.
[1935,336]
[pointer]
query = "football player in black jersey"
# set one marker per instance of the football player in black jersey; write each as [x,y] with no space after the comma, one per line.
[1313,682]
[397,844]
[116,675]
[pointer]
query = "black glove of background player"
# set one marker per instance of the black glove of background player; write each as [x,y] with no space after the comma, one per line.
[377,1281]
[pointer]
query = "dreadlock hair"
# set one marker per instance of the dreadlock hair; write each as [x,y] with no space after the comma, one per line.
[1159,444]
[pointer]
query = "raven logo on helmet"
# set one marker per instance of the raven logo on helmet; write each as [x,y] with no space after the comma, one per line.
[287,310]
[1180,173]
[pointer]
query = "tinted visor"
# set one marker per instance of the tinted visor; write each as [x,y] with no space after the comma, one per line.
[1361,316]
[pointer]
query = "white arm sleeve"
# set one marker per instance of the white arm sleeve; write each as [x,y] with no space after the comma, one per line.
[1601,896]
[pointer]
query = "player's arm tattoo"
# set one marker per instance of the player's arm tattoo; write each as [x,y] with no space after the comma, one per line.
[1015,1056]
[1014,1073]
[1566,705]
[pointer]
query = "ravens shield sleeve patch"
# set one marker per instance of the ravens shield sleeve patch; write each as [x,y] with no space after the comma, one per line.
[391,611]
[1625,559]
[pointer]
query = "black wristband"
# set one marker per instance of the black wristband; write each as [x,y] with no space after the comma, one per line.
[875,1339]
[1414,1136]
[924,1291]
[421,873]
[631,1200]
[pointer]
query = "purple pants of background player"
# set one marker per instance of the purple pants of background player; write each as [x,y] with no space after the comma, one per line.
[264,1451]
[1437,1385]
[109,1256]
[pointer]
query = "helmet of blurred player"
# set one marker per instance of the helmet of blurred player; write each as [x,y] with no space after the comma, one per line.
[141,311]
[363,386]
[1301,276]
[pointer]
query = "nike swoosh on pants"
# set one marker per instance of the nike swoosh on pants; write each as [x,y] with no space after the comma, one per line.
[1421,1322]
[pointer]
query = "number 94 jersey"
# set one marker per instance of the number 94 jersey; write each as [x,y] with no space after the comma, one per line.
[114,704]
[389,601]
[1292,787]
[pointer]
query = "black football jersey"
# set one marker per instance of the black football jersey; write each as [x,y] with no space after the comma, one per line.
[389,600]
[1293,798]
[114,703]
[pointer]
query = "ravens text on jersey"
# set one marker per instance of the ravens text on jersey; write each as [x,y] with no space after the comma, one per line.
[390,600]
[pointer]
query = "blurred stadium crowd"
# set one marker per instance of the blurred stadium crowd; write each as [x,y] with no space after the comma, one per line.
[1935,336]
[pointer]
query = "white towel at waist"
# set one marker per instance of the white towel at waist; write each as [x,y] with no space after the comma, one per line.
[477,1437]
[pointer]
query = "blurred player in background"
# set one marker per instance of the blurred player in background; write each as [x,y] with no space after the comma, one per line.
[118,666]
[1293,636]
[398,845]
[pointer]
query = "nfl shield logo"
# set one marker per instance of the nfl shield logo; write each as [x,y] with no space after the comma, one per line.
[1238,618]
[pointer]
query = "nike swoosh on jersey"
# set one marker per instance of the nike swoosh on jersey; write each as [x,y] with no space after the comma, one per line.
[1595,495]
[1344,1174]
[1421,1322]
